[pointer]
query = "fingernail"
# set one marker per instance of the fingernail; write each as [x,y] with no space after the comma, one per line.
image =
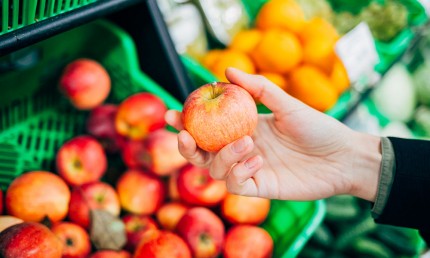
[240,145]
[251,163]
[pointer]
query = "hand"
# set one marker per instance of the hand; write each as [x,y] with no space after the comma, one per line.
[296,153]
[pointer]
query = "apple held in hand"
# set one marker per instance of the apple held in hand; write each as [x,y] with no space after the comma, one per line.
[81,160]
[219,113]
[245,241]
[76,242]
[239,209]
[85,83]
[137,227]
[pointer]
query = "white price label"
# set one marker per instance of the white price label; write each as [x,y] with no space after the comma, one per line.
[426,5]
[357,51]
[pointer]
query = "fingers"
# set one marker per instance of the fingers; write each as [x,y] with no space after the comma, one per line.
[241,181]
[188,148]
[264,90]
[173,118]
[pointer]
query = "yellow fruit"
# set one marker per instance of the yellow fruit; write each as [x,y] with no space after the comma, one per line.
[231,58]
[319,52]
[278,51]
[283,14]
[339,77]
[318,28]
[211,56]
[246,40]
[313,87]
[277,79]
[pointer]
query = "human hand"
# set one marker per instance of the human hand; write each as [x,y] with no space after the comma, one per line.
[296,153]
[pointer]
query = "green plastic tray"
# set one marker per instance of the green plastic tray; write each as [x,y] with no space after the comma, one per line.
[16,14]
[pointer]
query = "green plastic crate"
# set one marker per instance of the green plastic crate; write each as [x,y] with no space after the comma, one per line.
[16,14]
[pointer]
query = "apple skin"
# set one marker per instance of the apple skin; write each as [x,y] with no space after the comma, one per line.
[158,152]
[238,209]
[75,240]
[243,241]
[34,195]
[29,239]
[101,125]
[163,244]
[81,160]
[139,115]
[170,214]
[172,186]
[203,231]
[111,254]
[137,227]
[140,192]
[85,83]
[219,113]
[197,187]
[95,195]
[7,221]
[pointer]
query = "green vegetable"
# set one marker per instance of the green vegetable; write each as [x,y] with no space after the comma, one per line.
[422,119]
[353,232]
[366,247]
[422,82]
[316,8]
[397,239]
[322,236]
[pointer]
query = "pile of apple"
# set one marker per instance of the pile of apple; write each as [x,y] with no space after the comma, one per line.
[165,206]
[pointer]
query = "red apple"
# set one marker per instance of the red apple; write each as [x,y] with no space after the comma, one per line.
[110,254]
[140,192]
[161,245]
[76,242]
[245,241]
[139,115]
[219,113]
[34,195]
[136,227]
[238,209]
[29,239]
[85,83]
[1,202]
[197,187]
[7,221]
[203,231]
[170,213]
[172,186]
[95,195]
[101,125]
[158,152]
[81,160]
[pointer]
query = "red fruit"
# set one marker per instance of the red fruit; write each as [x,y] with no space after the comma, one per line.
[137,227]
[238,209]
[170,213]
[111,254]
[161,245]
[1,202]
[248,241]
[75,240]
[172,185]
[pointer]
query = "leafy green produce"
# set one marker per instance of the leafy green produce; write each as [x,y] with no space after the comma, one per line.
[316,8]
[422,83]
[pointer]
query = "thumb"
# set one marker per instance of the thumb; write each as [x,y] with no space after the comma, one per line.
[273,97]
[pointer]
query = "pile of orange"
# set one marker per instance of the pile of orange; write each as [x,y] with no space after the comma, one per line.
[296,54]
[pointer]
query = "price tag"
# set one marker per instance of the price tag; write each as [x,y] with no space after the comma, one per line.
[357,51]
[426,5]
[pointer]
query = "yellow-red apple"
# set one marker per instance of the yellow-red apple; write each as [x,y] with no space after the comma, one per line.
[169,214]
[243,241]
[238,209]
[7,221]
[81,160]
[111,254]
[203,231]
[136,227]
[38,194]
[161,245]
[139,115]
[29,239]
[75,240]
[95,195]
[196,186]
[219,113]
[140,192]
[85,83]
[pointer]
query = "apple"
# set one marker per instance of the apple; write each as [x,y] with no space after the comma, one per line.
[219,113]
[197,187]
[243,241]
[85,83]
[137,227]
[158,152]
[163,244]
[95,195]
[238,209]
[139,115]
[7,221]
[29,239]
[170,213]
[140,192]
[101,125]
[34,195]
[75,240]
[203,231]
[1,202]
[81,160]
[172,186]
[111,254]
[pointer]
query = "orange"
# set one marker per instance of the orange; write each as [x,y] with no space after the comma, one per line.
[318,28]
[278,51]
[211,56]
[319,52]
[313,87]
[246,40]
[277,79]
[339,76]
[283,14]
[231,58]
